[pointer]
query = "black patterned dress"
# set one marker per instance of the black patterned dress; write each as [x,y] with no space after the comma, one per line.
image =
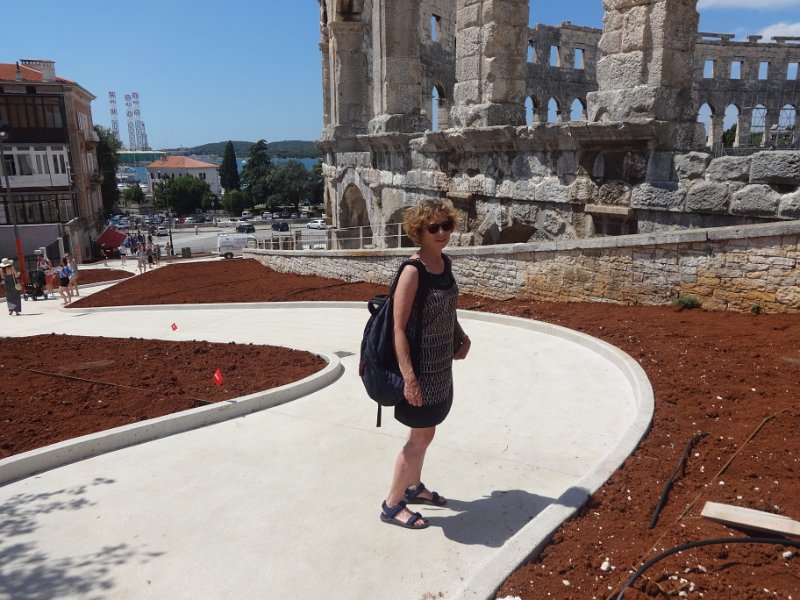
[434,368]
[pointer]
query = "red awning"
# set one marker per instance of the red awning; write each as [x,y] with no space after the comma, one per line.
[111,238]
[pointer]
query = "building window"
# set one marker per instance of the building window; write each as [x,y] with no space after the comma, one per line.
[531,52]
[736,69]
[436,28]
[555,57]
[791,72]
[763,70]
[579,59]
[708,69]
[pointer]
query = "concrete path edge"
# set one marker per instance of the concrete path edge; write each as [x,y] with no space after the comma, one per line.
[36,461]
[532,538]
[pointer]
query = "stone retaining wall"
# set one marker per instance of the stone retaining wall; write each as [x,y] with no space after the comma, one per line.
[729,268]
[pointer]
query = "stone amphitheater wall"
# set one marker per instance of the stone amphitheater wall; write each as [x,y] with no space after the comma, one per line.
[753,267]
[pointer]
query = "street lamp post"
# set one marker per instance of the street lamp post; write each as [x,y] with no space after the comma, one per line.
[20,256]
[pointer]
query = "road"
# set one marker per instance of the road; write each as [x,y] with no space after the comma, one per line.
[205,240]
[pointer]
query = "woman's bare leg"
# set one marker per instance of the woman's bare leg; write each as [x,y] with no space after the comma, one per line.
[408,466]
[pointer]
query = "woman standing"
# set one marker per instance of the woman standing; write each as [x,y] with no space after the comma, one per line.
[428,384]
[10,281]
[64,273]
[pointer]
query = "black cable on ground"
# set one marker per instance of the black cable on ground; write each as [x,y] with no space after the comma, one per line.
[668,485]
[698,544]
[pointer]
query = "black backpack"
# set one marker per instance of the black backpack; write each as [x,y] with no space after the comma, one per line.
[378,366]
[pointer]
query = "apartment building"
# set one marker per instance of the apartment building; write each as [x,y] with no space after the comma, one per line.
[51,179]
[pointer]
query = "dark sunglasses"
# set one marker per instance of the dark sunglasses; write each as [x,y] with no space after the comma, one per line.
[444,226]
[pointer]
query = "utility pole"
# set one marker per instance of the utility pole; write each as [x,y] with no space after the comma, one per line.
[20,256]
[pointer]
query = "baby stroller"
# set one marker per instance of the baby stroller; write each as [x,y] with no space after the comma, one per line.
[35,287]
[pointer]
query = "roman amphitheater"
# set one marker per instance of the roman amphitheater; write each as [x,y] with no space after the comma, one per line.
[575,157]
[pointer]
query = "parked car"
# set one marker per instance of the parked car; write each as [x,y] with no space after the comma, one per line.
[316,224]
[246,228]
[295,216]
[232,222]
[246,214]
[160,231]
[280,226]
[286,215]
[267,216]
[276,215]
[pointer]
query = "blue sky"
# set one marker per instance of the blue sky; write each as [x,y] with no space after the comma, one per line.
[210,71]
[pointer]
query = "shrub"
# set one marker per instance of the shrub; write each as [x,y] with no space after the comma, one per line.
[686,302]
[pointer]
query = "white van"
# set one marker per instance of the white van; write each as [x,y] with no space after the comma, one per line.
[246,214]
[231,244]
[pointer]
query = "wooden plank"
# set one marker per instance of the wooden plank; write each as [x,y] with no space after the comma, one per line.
[749,518]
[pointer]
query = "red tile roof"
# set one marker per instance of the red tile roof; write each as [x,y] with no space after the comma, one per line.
[8,72]
[180,162]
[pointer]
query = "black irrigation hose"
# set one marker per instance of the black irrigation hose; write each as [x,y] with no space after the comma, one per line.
[698,544]
[668,485]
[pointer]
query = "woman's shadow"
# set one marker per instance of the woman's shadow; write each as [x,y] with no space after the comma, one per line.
[492,520]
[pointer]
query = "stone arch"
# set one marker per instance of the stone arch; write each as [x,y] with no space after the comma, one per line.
[787,126]
[733,116]
[353,207]
[758,119]
[553,110]
[440,108]
[577,111]
[705,116]
[530,111]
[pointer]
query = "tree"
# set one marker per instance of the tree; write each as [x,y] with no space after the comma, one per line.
[183,194]
[729,136]
[228,170]
[255,175]
[108,162]
[134,194]
[235,201]
[290,181]
[316,184]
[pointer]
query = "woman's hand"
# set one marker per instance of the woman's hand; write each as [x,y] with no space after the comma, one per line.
[463,349]
[412,391]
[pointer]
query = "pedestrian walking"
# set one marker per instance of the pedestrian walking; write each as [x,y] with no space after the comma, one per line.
[12,285]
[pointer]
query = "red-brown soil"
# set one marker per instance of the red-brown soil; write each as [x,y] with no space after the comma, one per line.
[730,375]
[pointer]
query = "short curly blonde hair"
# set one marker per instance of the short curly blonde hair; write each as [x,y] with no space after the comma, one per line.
[417,217]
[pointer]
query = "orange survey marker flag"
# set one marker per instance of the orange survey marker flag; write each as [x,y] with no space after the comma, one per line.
[217,378]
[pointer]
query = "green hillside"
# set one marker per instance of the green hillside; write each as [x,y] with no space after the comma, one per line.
[284,149]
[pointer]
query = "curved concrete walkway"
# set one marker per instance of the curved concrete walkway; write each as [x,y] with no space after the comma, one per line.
[284,502]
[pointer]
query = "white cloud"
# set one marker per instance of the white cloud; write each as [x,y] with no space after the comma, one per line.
[753,4]
[780,29]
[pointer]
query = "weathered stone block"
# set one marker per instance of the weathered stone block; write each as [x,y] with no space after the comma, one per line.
[551,190]
[620,71]
[666,196]
[755,200]
[615,192]
[789,206]
[691,165]
[708,197]
[781,167]
[729,168]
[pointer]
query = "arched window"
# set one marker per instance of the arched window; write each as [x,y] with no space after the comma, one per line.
[530,111]
[731,126]
[439,109]
[553,111]
[435,110]
[704,117]
[786,125]
[757,122]
[577,111]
